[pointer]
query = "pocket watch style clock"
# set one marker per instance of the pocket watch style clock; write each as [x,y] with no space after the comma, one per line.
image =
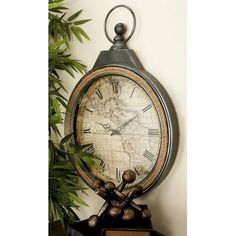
[124,115]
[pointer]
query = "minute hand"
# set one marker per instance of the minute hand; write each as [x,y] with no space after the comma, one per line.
[118,129]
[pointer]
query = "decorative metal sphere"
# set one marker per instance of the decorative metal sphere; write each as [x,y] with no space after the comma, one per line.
[93,221]
[146,213]
[129,214]
[120,28]
[129,176]
[139,189]
[109,186]
[114,211]
[115,203]
[97,183]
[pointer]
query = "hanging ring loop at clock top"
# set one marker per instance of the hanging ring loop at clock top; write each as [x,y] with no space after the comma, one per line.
[134,22]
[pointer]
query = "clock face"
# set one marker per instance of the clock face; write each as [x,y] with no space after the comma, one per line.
[120,117]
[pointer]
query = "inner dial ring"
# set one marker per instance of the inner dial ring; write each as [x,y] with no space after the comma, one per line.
[121,116]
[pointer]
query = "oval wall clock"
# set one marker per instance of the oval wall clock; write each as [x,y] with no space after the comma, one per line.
[124,115]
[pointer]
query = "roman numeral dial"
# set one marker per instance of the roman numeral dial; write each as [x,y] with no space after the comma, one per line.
[153,132]
[89,110]
[98,92]
[102,165]
[115,87]
[147,154]
[132,92]
[86,131]
[118,174]
[90,148]
[147,108]
[120,121]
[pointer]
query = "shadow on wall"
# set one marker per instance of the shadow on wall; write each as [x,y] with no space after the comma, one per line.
[167,201]
[160,220]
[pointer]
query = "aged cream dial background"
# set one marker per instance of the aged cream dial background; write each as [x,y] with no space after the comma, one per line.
[118,118]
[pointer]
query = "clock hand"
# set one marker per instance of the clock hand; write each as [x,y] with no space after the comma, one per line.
[107,127]
[115,131]
[118,129]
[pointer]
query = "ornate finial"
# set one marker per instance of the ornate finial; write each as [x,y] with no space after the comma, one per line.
[119,39]
[120,30]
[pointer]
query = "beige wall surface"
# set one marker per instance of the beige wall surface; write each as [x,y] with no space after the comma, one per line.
[160,43]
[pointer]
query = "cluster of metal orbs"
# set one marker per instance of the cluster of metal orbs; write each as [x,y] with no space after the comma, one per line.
[117,203]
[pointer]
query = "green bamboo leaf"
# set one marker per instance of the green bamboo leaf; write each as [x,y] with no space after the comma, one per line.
[66,138]
[74,149]
[77,199]
[55,119]
[54,5]
[55,45]
[58,9]
[50,16]
[57,81]
[55,73]
[78,188]
[67,30]
[80,67]
[73,161]
[56,107]
[56,93]
[63,67]
[52,211]
[54,127]
[82,32]
[75,15]
[76,33]
[76,218]
[81,164]
[88,160]
[55,10]
[63,166]
[71,182]
[59,213]
[51,152]
[67,44]
[96,165]
[80,22]
[50,1]
[62,102]
[61,17]
[91,162]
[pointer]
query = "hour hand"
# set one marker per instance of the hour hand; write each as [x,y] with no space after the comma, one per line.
[106,127]
[118,129]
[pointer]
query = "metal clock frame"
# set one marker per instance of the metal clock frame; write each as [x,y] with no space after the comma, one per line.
[120,56]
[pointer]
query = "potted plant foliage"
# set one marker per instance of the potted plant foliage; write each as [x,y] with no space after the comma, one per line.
[63,177]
